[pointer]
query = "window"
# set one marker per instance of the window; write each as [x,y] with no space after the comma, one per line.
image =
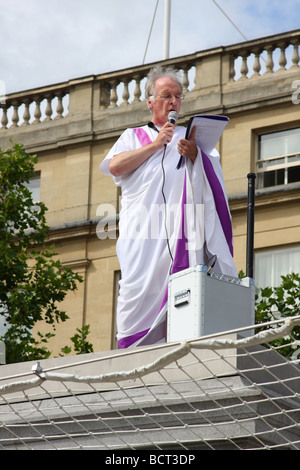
[35,185]
[270,265]
[278,158]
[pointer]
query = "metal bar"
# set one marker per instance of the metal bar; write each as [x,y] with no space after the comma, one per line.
[250,224]
[167,29]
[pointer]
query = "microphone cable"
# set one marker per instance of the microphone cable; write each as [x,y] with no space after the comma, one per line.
[152,126]
[165,202]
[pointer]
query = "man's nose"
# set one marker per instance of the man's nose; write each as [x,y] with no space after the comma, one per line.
[173,99]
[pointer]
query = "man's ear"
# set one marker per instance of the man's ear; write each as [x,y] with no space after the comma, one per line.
[150,103]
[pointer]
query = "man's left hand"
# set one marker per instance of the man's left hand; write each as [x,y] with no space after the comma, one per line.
[188,148]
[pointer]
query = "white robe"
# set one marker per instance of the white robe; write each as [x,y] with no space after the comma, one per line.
[147,224]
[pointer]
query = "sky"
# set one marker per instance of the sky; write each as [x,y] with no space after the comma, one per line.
[45,42]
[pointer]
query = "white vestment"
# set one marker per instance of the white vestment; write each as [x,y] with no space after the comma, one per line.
[164,209]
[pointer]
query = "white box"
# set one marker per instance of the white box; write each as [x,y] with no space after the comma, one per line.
[201,304]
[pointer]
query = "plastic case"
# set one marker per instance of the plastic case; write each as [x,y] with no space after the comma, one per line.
[201,304]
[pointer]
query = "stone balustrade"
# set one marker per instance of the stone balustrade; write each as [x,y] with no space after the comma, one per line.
[246,60]
[264,56]
[34,106]
[204,73]
[127,88]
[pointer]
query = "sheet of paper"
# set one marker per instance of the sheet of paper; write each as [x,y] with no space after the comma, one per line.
[208,130]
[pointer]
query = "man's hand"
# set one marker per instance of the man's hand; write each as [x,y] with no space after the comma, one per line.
[188,148]
[165,134]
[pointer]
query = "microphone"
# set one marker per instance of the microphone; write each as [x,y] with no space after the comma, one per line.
[172,117]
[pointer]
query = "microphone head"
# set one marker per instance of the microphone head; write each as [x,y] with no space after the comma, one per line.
[172,117]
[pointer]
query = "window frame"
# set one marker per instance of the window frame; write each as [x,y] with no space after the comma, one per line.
[274,254]
[37,176]
[257,133]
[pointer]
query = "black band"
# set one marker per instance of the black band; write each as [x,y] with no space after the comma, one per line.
[150,124]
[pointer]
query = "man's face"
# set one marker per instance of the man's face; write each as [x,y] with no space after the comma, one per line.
[166,99]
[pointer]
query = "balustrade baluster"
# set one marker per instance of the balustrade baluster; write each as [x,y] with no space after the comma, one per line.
[26,115]
[48,110]
[104,95]
[37,112]
[4,119]
[282,59]
[295,56]
[185,80]
[137,91]
[256,65]
[15,116]
[113,94]
[244,67]
[59,107]
[125,94]
[269,62]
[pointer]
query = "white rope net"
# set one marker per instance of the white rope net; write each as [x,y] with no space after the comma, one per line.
[217,392]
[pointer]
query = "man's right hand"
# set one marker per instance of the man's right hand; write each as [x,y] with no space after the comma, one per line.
[165,134]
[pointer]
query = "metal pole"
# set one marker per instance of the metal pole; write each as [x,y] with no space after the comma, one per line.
[250,224]
[167,29]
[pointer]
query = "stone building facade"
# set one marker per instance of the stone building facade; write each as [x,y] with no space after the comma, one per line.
[72,125]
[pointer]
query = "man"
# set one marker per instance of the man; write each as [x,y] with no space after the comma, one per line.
[164,212]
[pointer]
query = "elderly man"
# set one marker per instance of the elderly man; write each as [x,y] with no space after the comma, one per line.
[168,217]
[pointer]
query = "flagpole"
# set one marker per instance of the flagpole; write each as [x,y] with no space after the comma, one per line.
[167,29]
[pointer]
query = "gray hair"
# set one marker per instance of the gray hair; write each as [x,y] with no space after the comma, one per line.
[159,72]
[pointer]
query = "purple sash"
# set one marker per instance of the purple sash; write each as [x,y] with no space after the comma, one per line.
[220,200]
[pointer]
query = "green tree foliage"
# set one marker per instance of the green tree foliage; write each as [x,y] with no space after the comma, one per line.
[80,342]
[32,280]
[275,303]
